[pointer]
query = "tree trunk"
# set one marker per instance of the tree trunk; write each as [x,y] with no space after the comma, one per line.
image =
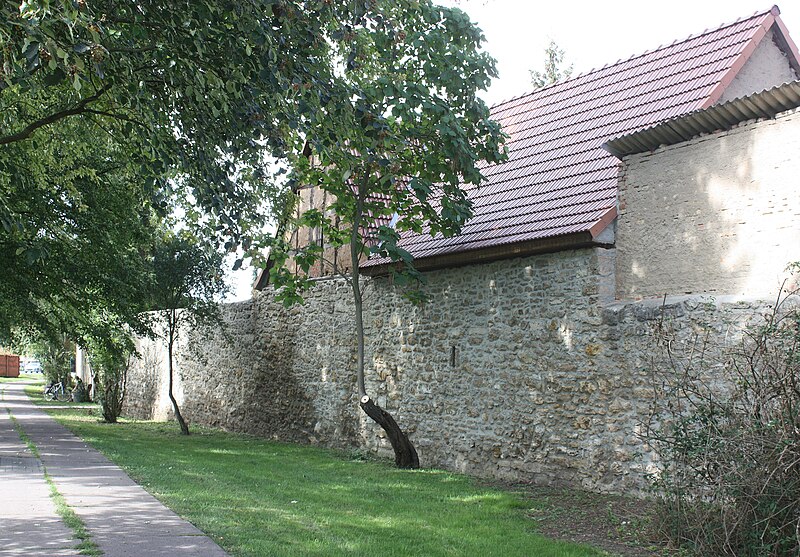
[405,455]
[178,415]
[109,416]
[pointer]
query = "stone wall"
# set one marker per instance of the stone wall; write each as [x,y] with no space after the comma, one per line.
[519,369]
[717,214]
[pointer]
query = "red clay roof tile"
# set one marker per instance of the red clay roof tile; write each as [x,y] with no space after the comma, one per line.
[558,180]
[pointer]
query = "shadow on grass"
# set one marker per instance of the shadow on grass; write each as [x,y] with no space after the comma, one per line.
[258,497]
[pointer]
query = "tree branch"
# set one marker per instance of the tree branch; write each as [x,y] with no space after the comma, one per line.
[116,116]
[55,117]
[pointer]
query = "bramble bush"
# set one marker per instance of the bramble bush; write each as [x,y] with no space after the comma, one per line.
[726,427]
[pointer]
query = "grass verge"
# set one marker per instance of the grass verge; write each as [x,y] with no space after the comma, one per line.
[86,545]
[35,393]
[257,497]
[36,377]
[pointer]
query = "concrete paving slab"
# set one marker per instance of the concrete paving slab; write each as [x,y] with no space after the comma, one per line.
[123,519]
[29,523]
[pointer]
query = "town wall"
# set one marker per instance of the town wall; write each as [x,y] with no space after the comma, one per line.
[523,369]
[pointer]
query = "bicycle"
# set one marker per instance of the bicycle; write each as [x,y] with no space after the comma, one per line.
[56,392]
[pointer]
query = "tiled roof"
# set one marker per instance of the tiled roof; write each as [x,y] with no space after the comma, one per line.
[558,180]
[720,117]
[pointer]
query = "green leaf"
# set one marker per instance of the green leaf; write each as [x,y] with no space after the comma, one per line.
[54,77]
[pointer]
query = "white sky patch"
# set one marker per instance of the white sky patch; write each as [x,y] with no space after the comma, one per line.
[595,34]
[240,282]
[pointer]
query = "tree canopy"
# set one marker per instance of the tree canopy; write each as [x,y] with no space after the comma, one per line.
[113,112]
[74,220]
[554,69]
[400,132]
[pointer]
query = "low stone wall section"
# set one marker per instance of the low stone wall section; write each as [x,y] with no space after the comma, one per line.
[522,369]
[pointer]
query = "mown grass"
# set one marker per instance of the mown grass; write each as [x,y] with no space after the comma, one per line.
[24,377]
[257,497]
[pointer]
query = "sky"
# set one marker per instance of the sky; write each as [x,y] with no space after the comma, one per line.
[592,35]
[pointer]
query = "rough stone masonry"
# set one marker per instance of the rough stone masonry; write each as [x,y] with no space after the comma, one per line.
[518,369]
[528,368]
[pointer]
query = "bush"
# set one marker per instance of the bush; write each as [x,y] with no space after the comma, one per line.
[726,426]
[56,355]
[110,359]
[112,375]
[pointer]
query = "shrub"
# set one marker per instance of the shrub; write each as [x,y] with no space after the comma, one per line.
[726,427]
[56,355]
[111,369]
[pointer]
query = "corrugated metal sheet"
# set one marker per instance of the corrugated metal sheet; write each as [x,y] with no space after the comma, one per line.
[558,179]
[716,118]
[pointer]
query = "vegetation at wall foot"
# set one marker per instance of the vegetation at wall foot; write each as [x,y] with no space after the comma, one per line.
[726,425]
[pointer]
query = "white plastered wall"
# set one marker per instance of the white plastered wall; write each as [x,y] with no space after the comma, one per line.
[767,67]
[718,214]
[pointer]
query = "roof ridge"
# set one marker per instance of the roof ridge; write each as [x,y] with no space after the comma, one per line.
[536,92]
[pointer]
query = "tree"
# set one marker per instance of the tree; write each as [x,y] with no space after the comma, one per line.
[76,224]
[111,354]
[194,95]
[55,354]
[399,131]
[186,291]
[186,98]
[202,89]
[553,67]
[162,100]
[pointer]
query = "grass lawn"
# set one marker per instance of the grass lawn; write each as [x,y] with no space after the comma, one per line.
[258,497]
[24,377]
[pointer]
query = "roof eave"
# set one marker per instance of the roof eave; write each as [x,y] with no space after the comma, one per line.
[495,253]
[720,117]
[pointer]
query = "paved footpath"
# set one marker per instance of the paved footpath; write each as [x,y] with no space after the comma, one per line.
[122,518]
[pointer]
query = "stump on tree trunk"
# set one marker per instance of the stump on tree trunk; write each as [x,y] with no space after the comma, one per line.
[405,455]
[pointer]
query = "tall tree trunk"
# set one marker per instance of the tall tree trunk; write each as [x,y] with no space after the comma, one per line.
[178,415]
[405,455]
